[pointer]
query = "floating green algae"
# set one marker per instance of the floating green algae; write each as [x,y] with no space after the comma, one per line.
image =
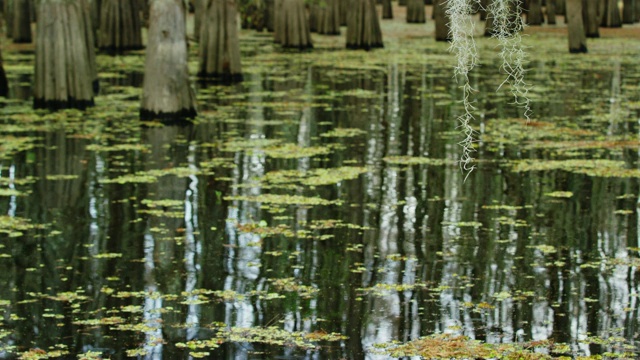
[282,199]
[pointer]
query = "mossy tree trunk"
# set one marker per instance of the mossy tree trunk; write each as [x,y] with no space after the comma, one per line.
[590,18]
[65,68]
[166,93]
[292,25]
[611,15]
[22,22]
[363,27]
[329,19]
[219,46]
[416,12]
[120,26]
[387,9]
[534,15]
[577,38]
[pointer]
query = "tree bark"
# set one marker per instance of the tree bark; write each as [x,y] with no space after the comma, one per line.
[534,14]
[167,94]
[329,19]
[387,9]
[416,12]
[8,17]
[590,17]
[363,28]
[629,11]
[551,12]
[120,26]
[577,38]
[4,84]
[65,56]
[292,25]
[611,15]
[21,22]
[442,21]
[561,8]
[219,45]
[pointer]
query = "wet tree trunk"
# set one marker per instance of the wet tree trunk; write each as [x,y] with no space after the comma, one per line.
[442,21]
[534,15]
[167,94]
[416,12]
[561,8]
[65,56]
[4,84]
[483,9]
[314,14]
[329,20]
[551,12]
[577,38]
[219,46]
[292,25]
[387,9]
[120,26]
[21,22]
[629,11]
[591,20]
[198,14]
[8,17]
[488,26]
[344,10]
[611,14]
[363,28]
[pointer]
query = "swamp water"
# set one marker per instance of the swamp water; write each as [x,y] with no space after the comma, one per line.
[317,210]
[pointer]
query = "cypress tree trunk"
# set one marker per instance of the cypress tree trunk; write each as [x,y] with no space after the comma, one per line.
[483,9]
[387,9]
[416,12]
[4,84]
[21,22]
[8,17]
[611,14]
[219,46]
[561,8]
[65,55]
[329,20]
[120,27]
[629,11]
[577,38]
[314,14]
[292,25]
[551,12]
[198,14]
[488,26]
[166,93]
[442,21]
[590,17]
[363,28]
[534,15]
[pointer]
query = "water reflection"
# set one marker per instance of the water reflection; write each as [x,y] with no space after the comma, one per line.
[401,251]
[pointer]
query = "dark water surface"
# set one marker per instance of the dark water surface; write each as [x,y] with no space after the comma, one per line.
[322,196]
